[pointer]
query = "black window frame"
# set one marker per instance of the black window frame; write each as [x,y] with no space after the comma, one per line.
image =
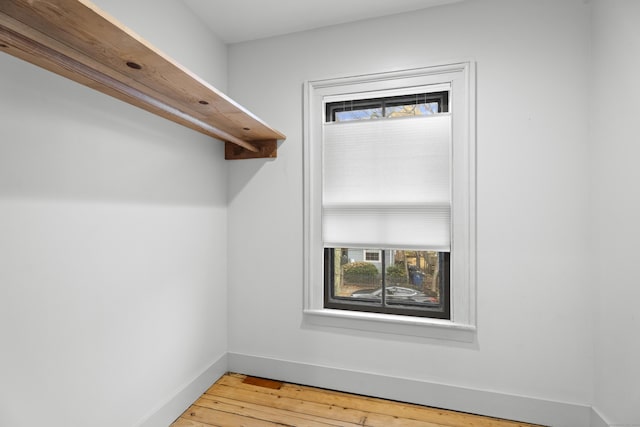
[442,311]
[441,98]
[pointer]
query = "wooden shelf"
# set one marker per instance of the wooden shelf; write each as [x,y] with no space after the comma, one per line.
[74,39]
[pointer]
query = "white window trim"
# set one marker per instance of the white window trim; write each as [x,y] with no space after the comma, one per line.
[366,251]
[462,326]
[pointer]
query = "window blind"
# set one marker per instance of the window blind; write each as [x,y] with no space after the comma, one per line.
[386,183]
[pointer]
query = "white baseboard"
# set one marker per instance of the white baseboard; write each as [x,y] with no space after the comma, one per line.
[520,408]
[597,420]
[167,412]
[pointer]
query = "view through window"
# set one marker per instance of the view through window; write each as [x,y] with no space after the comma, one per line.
[399,282]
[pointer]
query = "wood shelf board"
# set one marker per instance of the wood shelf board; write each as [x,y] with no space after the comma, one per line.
[76,40]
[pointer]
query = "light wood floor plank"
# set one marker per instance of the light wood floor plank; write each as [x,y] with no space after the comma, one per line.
[183,422]
[233,403]
[268,413]
[211,417]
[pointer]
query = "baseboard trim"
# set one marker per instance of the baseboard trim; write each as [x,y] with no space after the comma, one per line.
[520,408]
[171,409]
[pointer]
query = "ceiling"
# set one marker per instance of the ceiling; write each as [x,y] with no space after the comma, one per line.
[241,20]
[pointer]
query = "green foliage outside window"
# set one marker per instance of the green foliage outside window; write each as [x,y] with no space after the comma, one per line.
[396,271]
[355,271]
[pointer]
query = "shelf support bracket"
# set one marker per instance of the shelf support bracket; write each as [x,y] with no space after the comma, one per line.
[266,149]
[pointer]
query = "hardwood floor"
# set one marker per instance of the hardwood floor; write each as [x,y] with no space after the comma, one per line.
[238,400]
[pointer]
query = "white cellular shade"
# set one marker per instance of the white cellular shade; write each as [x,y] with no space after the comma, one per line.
[386,183]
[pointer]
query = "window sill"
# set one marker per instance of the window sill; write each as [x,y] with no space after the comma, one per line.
[392,324]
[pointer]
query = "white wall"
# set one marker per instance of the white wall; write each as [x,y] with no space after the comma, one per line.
[616,174]
[113,245]
[534,266]
[112,240]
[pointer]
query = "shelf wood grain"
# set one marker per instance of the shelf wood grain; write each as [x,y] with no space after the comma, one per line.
[74,39]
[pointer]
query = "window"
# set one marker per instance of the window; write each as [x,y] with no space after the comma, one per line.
[373,256]
[390,200]
[396,159]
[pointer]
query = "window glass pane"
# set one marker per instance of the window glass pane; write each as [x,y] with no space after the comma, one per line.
[411,110]
[415,278]
[364,114]
[355,276]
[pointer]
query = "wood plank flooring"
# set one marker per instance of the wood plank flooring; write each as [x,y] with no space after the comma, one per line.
[240,401]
